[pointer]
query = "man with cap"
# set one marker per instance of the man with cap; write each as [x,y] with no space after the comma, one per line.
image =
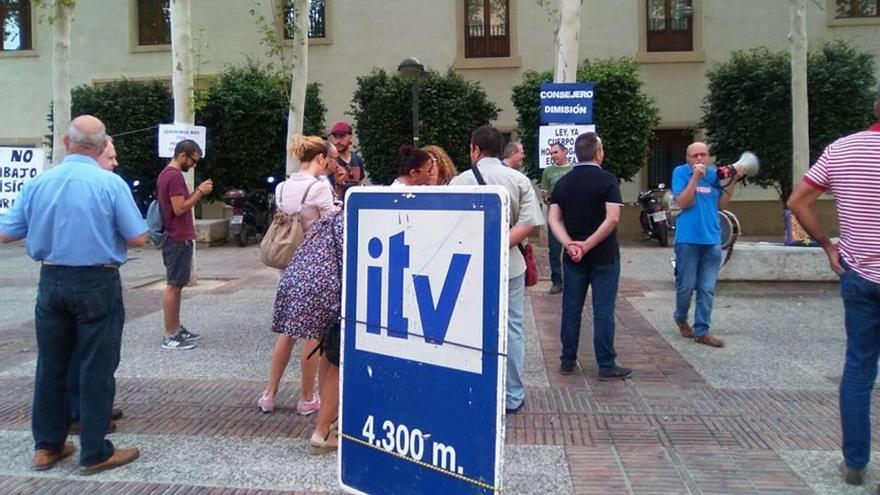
[78,220]
[848,169]
[351,161]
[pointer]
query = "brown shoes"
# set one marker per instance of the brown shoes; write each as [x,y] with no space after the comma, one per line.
[46,459]
[709,341]
[686,330]
[120,457]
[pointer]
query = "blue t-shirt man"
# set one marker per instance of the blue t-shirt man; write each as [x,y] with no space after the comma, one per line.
[699,223]
[698,241]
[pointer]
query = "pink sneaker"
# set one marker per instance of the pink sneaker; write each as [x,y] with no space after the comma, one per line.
[304,408]
[266,403]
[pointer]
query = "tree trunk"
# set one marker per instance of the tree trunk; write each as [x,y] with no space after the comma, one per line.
[62,17]
[567,41]
[799,107]
[182,81]
[299,73]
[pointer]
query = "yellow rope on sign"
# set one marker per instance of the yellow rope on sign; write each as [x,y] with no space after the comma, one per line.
[423,464]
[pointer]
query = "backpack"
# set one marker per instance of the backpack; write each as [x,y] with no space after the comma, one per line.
[284,235]
[155,225]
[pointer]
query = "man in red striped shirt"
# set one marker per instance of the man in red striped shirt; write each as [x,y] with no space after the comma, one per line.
[849,168]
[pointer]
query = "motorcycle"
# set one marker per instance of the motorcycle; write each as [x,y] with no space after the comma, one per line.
[654,217]
[139,191]
[251,212]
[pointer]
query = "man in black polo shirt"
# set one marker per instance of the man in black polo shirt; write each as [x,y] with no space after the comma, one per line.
[584,212]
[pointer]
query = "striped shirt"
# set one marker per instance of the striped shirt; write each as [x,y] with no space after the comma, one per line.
[850,169]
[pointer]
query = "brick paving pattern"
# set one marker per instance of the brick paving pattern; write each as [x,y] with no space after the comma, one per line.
[665,431]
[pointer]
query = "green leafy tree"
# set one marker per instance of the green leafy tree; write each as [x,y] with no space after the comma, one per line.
[449,109]
[748,106]
[245,111]
[625,117]
[130,110]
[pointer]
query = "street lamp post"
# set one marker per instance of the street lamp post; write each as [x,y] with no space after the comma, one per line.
[410,67]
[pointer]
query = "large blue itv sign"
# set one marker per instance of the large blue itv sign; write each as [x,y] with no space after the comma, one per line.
[424,338]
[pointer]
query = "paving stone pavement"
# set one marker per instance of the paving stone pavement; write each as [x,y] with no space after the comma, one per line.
[759,416]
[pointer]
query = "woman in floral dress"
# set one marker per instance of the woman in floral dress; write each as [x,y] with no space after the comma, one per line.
[307,304]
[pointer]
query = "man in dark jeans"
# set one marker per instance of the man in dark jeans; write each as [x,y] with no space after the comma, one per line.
[584,213]
[848,169]
[78,220]
[176,204]
[107,161]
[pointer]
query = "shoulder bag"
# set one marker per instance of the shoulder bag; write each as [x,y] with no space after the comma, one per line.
[524,249]
[284,235]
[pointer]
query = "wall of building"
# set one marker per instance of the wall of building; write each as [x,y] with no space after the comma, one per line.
[362,36]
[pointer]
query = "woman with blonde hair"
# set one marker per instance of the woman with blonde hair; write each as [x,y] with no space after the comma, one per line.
[306,192]
[445,168]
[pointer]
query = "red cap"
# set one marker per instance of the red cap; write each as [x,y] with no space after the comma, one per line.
[341,128]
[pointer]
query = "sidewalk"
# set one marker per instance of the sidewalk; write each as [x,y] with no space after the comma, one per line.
[759,416]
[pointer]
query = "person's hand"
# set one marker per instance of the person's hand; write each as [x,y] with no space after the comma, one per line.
[740,172]
[699,170]
[575,252]
[545,195]
[834,258]
[206,187]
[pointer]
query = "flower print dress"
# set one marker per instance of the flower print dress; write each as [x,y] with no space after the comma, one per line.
[310,290]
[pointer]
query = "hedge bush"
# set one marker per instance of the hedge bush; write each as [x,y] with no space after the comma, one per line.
[244,109]
[624,116]
[748,106]
[130,110]
[449,109]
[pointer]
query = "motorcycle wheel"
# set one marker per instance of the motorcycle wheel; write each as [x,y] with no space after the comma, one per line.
[645,222]
[242,238]
[662,232]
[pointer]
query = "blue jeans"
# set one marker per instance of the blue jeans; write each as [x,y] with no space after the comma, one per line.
[696,268]
[78,312]
[516,301]
[555,249]
[605,280]
[861,304]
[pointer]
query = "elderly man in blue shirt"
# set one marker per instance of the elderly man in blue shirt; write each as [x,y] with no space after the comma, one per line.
[78,220]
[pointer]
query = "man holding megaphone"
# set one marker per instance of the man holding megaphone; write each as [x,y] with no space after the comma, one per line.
[698,190]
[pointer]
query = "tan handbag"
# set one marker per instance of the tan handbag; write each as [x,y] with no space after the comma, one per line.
[284,235]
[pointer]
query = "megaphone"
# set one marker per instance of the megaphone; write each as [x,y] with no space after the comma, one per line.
[748,161]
